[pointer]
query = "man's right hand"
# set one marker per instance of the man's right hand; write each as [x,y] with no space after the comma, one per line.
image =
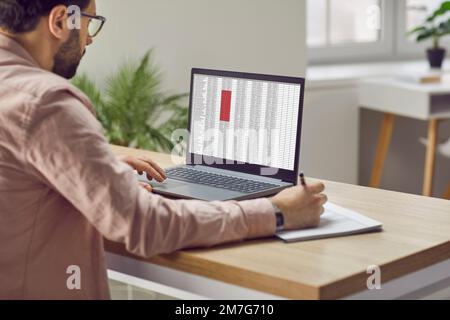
[301,206]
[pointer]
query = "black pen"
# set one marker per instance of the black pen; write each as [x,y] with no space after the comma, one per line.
[302,179]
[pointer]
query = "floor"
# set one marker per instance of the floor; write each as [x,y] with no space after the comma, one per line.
[123,291]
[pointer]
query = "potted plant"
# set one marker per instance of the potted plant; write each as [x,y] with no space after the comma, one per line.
[435,27]
[133,108]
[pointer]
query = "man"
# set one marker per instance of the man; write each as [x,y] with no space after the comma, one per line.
[61,188]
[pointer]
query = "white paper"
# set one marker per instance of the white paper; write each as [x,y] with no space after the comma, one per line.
[336,221]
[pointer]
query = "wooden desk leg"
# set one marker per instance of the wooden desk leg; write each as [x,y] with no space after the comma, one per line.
[447,193]
[384,141]
[430,158]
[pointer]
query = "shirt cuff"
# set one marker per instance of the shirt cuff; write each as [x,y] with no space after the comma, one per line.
[260,216]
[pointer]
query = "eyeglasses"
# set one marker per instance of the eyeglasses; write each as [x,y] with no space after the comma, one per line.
[95,24]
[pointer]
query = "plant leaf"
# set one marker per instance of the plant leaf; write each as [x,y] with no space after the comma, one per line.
[415,30]
[133,103]
[443,9]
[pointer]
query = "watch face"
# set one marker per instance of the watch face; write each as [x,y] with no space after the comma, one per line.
[280,221]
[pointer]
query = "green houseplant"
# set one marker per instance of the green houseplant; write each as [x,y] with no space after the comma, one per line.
[436,26]
[133,109]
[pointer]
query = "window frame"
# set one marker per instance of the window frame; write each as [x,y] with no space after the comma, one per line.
[406,48]
[392,46]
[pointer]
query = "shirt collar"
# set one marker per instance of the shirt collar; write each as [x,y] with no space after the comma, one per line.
[11,45]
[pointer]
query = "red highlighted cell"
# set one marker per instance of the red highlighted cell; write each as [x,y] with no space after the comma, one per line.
[225,106]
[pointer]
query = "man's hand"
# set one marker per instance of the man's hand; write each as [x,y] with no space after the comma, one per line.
[145,165]
[301,206]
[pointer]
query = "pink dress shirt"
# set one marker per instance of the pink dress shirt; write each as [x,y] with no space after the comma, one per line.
[62,190]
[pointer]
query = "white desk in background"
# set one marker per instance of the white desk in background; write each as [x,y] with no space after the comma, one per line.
[402,97]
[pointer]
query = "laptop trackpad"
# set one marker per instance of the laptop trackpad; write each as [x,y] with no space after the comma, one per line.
[181,189]
[167,185]
[207,193]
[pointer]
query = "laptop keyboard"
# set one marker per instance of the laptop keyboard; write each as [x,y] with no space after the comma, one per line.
[218,180]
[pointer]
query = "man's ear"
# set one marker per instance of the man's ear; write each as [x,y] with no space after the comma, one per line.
[57,22]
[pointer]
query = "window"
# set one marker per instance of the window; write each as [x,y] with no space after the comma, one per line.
[412,14]
[338,22]
[418,10]
[342,30]
[364,30]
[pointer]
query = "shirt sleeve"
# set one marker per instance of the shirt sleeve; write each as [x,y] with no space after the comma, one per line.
[67,150]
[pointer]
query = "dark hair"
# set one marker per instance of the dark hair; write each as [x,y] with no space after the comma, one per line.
[17,16]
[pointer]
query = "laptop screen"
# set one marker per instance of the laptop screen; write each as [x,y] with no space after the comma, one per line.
[247,119]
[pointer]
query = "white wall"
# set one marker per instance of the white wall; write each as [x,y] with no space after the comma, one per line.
[263,36]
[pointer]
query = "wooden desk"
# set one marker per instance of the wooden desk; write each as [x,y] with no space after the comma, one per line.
[391,96]
[413,239]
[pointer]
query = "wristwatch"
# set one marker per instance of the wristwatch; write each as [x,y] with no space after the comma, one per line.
[279,217]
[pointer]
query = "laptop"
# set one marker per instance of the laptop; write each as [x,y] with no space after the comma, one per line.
[244,140]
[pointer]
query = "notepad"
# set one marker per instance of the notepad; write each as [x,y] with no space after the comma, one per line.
[335,222]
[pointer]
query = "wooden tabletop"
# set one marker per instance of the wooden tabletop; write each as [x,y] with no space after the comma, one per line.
[416,235]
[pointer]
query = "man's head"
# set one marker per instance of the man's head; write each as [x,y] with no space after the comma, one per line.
[43,27]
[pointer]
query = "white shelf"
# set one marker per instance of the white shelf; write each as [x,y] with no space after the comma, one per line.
[350,74]
[405,98]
